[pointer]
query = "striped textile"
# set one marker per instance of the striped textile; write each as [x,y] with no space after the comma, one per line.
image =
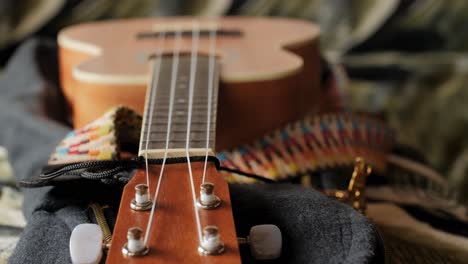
[101,139]
[314,143]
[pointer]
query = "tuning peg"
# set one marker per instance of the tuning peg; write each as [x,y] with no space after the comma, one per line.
[265,242]
[142,201]
[86,244]
[208,200]
[211,243]
[135,247]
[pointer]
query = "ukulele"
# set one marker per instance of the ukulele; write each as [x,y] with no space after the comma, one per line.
[194,81]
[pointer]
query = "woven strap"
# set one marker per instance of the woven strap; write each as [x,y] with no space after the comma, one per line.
[311,144]
[101,139]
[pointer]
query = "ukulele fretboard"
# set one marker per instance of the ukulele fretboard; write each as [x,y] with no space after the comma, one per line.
[168,119]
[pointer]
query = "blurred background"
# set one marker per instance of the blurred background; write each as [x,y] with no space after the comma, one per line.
[404,60]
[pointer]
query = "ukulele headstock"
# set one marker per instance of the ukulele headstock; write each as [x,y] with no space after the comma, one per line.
[173,232]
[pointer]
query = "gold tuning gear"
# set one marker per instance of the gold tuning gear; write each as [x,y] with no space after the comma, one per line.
[357,185]
[355,195]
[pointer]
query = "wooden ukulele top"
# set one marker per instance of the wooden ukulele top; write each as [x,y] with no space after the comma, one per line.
[121,55]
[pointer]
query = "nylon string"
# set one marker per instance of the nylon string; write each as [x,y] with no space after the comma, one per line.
[211,62]
[193,67]
[153,92]
[175,67]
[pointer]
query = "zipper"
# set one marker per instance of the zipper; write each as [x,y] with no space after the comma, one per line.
[102,222]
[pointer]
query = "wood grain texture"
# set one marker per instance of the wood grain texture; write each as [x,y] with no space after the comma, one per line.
[173,237]
[269,76]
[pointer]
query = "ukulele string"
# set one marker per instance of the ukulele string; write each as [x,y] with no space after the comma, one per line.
[153,90]
[193,66]
[175,67]
[211,62]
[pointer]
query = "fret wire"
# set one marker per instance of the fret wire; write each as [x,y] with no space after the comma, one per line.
[164,108]
[198,128]
[178,136]
[182,112]
[177,143]
[179,123]
[178,120]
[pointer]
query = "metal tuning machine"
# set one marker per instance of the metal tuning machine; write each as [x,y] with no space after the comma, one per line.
[135,247]
[208,200]
[142,201]
[211,243]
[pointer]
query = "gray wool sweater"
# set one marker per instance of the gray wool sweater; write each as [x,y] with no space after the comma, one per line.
[315,229]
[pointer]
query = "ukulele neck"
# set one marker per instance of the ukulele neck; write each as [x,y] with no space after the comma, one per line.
[188,111]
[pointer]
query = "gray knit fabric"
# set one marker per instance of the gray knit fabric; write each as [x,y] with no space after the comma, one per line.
[315,229]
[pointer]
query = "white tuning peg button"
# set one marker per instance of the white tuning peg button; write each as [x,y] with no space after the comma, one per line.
[265,242]
[86,244]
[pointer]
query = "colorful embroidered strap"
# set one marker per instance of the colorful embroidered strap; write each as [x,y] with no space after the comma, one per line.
[101,139]
[312,144]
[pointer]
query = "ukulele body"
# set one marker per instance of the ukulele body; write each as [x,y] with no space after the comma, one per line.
[269,70]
